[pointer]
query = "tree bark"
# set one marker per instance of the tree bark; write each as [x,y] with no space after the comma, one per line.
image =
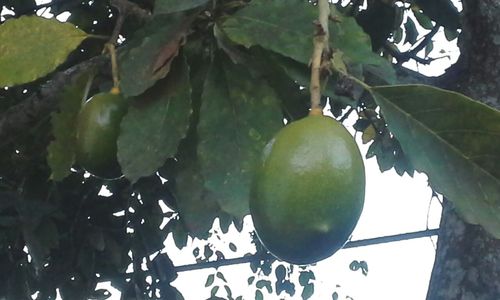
[467,264]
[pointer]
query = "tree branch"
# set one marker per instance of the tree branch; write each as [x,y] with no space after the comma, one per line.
[21,116]
[402,57]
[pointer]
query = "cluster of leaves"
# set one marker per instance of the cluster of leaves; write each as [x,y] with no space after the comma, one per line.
[209,86]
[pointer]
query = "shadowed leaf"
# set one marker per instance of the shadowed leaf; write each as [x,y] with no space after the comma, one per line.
[152,129]
[239,114]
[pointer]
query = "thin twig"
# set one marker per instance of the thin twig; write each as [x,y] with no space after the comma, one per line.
[346,115]
[402,57]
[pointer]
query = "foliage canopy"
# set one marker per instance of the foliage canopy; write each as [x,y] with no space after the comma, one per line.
[209,82]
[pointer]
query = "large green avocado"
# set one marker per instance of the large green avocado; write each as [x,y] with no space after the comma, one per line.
[308,192]
[97,131]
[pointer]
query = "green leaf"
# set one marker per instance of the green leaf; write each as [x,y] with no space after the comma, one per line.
[450,35]
[34,46]
[221,276]
[171,6]
[379,20]
[305,277]
[423,20]
[178,233]
[259,295]
[149,57]
[450,137]
[284,26]
[411,32]
[280,273]
[210,280]
[197,207]
[232,247]
[443,12]
[214,290]
[239,114]
[428,48]
[308,291]
[152,129]
[61,151]
[250,280]
[264,284]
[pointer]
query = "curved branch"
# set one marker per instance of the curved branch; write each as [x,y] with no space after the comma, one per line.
[402,57]
[21,116]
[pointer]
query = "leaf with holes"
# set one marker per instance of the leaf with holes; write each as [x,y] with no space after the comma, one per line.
[44,45]
[452,139]
[239,114]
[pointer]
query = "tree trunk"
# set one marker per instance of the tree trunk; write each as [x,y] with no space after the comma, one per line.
[467,264]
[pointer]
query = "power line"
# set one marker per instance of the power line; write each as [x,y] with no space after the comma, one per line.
[350,244]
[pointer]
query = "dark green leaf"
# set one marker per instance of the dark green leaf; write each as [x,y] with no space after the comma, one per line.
[264,284]
[379,21]
[178,233]
[228,292]
[361,124]
[170,6]
[210,280]
[152,129]
[428,48]
[443,12]
[398,35]
[232,247]
[449,137]
[451,34]
[305,277]
[423,20]
[44,45]
[250,279]
[100,294]
[282,26]
[61,151]
[411,32]
[221,276]
[236,121]
[308,291]
[280,272]
[148,59]
[165,267]
[285,27]
[214,290]
[259,295]
[208,252]
[197,207]
[40,239]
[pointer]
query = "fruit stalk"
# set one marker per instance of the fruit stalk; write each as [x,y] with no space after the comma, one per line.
[320,41]
[114,65]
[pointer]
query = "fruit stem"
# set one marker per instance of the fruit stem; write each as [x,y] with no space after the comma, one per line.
[114,65]
[320,42]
